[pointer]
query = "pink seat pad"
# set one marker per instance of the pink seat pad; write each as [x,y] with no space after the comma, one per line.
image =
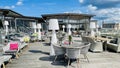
[66,42]
[14,46]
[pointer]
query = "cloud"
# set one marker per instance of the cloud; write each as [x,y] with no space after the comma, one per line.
[12,6]
[20,2]
[105,10]
[81,1]
[91,7]
[102,3]
[113,16]
[107,14]
[9,7]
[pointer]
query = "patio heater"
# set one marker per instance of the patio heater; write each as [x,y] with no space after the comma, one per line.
[6,23]
[39,32]
[63,28]
[53,25]
[69,29]
[92,27]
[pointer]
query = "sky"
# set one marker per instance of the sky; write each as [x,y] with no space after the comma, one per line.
[105,10]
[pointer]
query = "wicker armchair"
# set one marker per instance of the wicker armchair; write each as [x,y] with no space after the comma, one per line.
[85,49]
[96,46]
[73,53]
[58,51]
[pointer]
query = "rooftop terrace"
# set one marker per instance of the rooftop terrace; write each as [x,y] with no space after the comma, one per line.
[36,55]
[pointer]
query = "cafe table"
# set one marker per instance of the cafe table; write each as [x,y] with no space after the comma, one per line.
[73,51]
[73,45]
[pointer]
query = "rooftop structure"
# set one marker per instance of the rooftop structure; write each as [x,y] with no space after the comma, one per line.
[74,16]
[111,25]
[78,21]
[17,21]
[11,13]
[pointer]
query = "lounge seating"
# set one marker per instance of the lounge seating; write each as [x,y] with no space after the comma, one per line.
[96,46]
[1,58]
[33,38]
[22,45]
[4,58]
[114,45]
[8,51]
[26,39]
[2,63]
[58,51]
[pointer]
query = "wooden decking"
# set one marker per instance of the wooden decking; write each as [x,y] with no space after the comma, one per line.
[36,55]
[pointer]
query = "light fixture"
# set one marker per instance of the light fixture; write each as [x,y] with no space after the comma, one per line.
[34,26]
[6,23]
[92,26]
[97,31]
[39,32]
[63,26]
[53,25]
[69,29]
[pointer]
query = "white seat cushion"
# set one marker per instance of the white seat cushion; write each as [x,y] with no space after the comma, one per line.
[7,57]
[112,44]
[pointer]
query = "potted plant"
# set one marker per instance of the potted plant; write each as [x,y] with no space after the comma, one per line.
[70,39]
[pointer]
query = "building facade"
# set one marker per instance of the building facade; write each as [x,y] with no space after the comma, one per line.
[17,22]
[78,21]
[115,26]
[20,22]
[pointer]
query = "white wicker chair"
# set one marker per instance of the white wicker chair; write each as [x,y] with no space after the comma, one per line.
[73,53]
[58,51]
[96,46]
[85,49]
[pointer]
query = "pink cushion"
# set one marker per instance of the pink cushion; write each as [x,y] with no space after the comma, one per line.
[66,42]
[14,46]
[42,33]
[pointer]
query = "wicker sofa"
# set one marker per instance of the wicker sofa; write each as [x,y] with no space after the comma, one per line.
[114,45]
